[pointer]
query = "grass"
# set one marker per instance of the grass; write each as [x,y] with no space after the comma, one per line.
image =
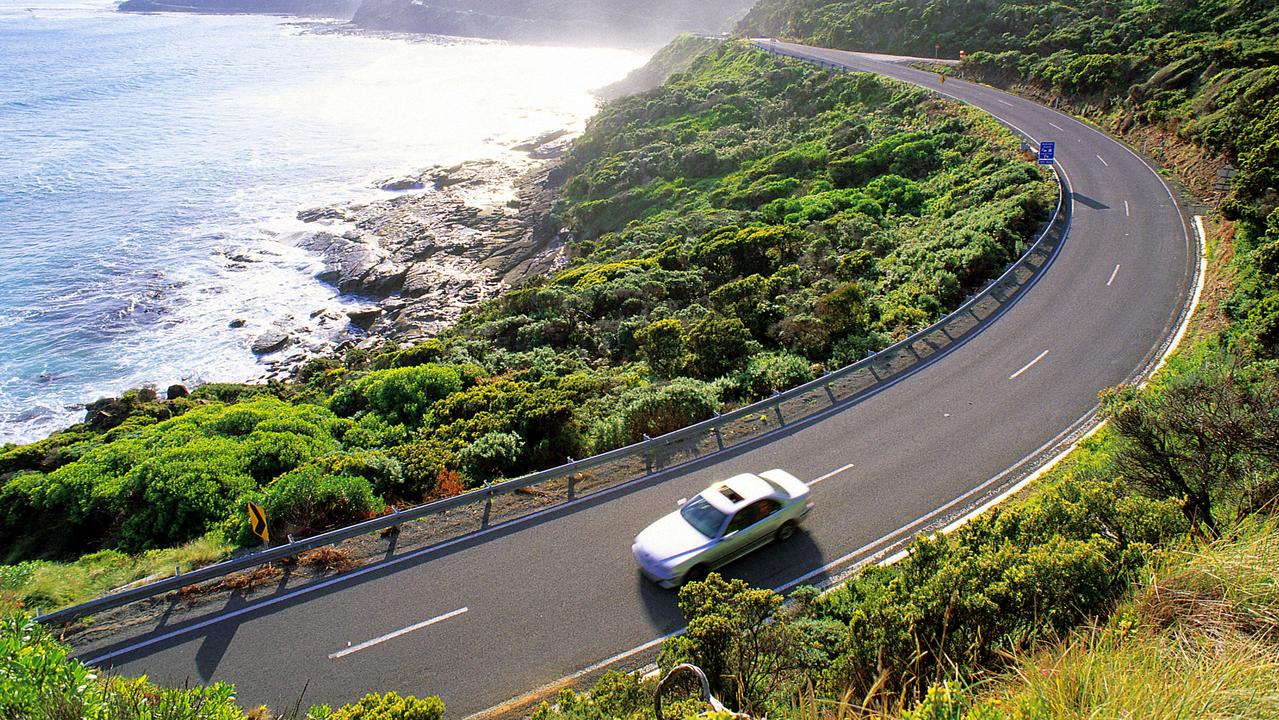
[51,585]
[1199,639]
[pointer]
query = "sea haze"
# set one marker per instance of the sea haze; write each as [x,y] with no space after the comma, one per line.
[149,162]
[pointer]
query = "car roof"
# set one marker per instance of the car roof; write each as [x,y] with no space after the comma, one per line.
[730,495]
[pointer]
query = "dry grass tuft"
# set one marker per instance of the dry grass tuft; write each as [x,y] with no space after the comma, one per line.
[329,559]
[1232,586]
[247,582]
[1199,640]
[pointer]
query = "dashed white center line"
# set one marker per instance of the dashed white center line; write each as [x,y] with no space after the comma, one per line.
[1057,126]
[831,474]
[1126,211]
[392,635]
[1028,366]
[1112,276]
[1103,161]
[1005,102]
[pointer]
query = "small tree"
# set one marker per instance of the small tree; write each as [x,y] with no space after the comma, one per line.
[664,346]
[1204,439]
[737,637]
[720,345]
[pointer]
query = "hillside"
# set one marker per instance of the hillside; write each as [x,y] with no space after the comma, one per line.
[1195,83]
[578,22]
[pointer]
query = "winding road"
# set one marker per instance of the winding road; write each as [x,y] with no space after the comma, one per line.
[484,621]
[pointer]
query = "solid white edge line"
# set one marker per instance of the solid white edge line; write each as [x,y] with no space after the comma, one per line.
[392,635]
[1112,275]
[1194,301]
[1028,365]
[831,474]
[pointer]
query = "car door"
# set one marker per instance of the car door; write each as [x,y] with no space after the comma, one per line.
[750,527]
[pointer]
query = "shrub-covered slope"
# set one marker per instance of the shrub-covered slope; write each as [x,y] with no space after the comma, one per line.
[1204,73]
[736,230]
[39,680]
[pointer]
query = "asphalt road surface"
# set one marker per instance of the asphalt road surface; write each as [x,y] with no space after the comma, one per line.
[483,622]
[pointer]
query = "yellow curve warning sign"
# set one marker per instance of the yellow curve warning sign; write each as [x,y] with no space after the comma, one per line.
[257,522]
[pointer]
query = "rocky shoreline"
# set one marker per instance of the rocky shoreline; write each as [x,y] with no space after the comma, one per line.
[444,240]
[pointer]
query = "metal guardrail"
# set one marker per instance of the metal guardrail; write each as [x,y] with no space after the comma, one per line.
[594,474]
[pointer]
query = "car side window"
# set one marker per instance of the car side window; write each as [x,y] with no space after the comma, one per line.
[752,514]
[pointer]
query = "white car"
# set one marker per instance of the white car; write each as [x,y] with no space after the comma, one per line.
[720,524]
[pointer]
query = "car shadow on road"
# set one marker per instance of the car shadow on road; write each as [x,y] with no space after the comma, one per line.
[772,566]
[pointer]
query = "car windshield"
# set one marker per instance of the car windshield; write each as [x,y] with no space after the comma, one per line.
[703,516]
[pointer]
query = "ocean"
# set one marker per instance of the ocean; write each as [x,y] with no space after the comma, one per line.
[151,165]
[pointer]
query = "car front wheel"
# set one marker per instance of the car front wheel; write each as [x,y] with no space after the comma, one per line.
[697,573]
[786,531]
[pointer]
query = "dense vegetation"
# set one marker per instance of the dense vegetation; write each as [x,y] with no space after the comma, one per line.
[1195,636]
[736,230]
[1199,72]
[40,681]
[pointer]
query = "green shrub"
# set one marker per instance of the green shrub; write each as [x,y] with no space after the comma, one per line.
[656,410]
[491,456]
[310,500]
[179,494]
[401,396]
[769,372]
[719,345]
[664,346]
[41,681]
[391,706]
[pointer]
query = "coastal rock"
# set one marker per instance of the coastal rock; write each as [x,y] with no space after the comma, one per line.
[269,342]
[401,184]
[236,323]
[419,260]
[356,266]
[551,150]
[539,141]
[321,214]
[176,391]
[364,317]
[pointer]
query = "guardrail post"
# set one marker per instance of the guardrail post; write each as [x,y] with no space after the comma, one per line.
[488,509]
[778,409]
[571,479]
[829,393]
[648,454]
[719,439]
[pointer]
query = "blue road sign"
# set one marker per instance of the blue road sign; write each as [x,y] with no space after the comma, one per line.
[1047,152]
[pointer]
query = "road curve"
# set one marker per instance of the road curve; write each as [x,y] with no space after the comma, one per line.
[482,622]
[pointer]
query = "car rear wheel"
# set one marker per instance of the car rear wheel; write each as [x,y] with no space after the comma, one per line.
[786,531]
[697,573]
